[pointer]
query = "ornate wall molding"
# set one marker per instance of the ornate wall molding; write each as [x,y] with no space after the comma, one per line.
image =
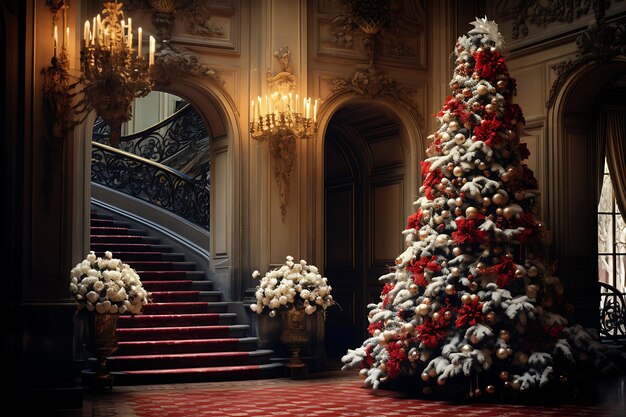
[374,19]
[599,43]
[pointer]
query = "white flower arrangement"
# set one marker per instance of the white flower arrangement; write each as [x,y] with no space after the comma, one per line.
[106,285]
[292,284]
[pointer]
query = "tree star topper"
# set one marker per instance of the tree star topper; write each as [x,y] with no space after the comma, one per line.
[490,30]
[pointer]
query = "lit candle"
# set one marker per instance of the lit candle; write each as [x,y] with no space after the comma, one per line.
[55,39]
[130,34]
[152,49]
[296,103]
[66,39]
[86,34]
[315,111]
[139,42]
[99,29]
[94,33]
[258,107]
[252,110]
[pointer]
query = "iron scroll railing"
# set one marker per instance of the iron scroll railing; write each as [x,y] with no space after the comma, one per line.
[152,182]
[612,315]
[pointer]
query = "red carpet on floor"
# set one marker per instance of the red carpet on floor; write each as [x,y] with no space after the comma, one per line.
[339,399]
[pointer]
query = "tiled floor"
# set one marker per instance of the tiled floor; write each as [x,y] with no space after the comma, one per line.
[320,395]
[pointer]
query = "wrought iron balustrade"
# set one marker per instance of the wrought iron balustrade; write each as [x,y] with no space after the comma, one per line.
[612,315]
[183,132]
[152,182]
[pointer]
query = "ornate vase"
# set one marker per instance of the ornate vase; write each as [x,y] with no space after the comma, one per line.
[102,342]
[295,336]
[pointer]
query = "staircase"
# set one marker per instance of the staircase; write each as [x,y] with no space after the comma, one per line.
[186,333]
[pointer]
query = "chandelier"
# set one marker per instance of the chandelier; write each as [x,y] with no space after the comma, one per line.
[279,119]
[114,71]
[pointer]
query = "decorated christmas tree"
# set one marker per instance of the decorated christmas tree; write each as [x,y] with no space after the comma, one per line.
[472,305]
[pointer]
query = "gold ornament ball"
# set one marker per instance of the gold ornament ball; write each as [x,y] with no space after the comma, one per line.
[486,201]
[456,251]
[520,272]
[505,335]
[482,166]
[422,309]
[501,84]
[458,171]
[435,316]
[458,211]
[459,138]
[425,376]
[447,315]
[473,286]
[490,108]
[413,289]
[516,385]
[382,367]
[450,289]
[504,375]
[482,89]
[522,358]
[466,299]
[458,201]
[441,381]
[455,271]
[499,199]
[426,301]
[490,389]
[491,317]
[506,177]
[432,373]
[453,126]
[471,213]
[499,211]
[467,349]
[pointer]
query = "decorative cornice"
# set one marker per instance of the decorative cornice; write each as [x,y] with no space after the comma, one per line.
[172,62]
[599,43]
[372,82]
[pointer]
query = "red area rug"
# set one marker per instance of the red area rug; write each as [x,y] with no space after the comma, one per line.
[337,399]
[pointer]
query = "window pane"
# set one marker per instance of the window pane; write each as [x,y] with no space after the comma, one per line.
[605,269]
[620,279]
[606,198]
[620,234]
[605,233]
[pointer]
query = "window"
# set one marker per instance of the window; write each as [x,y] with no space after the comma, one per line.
[611,238]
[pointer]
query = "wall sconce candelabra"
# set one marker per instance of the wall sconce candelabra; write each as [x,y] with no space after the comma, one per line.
[279,119]
[114,73]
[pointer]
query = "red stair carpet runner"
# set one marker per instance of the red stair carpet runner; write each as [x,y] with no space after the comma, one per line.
[186,333]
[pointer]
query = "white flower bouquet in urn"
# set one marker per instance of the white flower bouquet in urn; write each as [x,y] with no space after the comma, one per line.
[107,286]
[293,284]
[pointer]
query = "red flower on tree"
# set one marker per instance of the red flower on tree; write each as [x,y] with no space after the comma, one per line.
[513,112]
[377,325]
[530,232]
[524,153]
[414,220]
[504,271]
[432,179]
[386,289]
[417,268]
[432,333]
[488,64]
[469,314]
[467,231]
[487,131]
[396,356]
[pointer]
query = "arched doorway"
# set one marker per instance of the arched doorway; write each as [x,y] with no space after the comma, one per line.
[365,160]
[573,160]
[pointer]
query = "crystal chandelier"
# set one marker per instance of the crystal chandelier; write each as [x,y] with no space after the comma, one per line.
[114,73]
[279,119]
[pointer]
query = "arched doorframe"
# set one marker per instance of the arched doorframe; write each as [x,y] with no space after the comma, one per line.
[411,136]
[571,155]
[210,99]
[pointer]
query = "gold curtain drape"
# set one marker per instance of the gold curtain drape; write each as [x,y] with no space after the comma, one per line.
[612,145]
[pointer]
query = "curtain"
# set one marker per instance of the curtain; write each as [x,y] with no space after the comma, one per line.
[615,149]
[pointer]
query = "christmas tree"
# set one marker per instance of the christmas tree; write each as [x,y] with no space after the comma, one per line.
[472,304]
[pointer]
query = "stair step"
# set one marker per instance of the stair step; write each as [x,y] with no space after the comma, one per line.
[178,296]
[146,256]
[178,285]
[187,360]
[163,266]
[109,223]
[188,332]
[129,247]
[149,347]
[169,275]
[96,230]
[172,320]
[123,239]
[186,307]
[100,215]
[201,374]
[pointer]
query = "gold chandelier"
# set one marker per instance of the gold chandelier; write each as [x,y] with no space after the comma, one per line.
[279,119]
[114,72]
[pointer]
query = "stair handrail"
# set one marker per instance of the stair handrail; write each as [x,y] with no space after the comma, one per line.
[152,182]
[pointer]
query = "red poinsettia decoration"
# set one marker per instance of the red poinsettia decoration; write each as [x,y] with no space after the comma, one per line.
[523,151]
[469,314]
[513,112]
[504,271]
[414,220]
[554,330]
[369,359]
[487,131]
[417,268]
[530,234]
[377,325]
[384,293]
[396,356]
[432,332]
[432,179]
[488,64]
[467,230]
[456,107]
